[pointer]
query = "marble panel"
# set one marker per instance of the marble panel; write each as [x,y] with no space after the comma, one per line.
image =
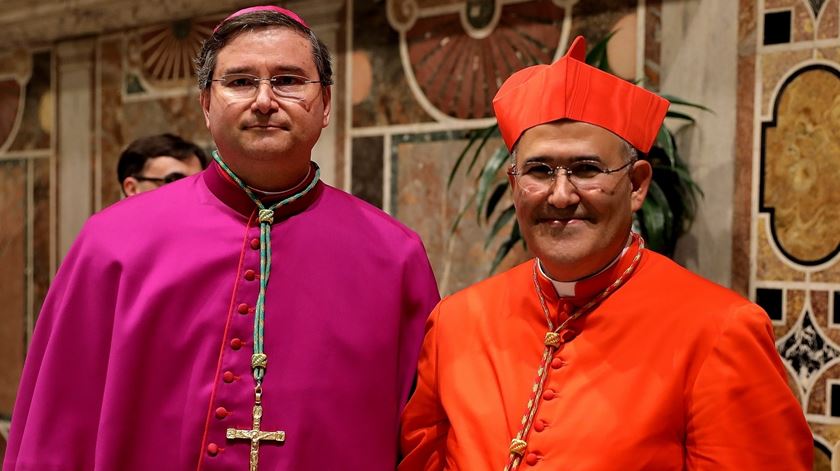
[769,267]
[828,53]
[594,19]
[36,125]
[653,44]
[828,23]
[367,169]
[828,275]
[777,4]
[424,202]
[818,399]
[799,168]
[10,91]
[390,100]
[804,27]
[774,67]
[794,304]
[829,432]
[819,306]
[746,27]
[742,196]
[111,141]
[41,232]
[12,278]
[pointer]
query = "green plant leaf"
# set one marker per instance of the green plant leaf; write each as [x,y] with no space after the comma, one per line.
[486,134]
[678,115]
[460,159]
[495,197]
[488,176]
[665,141]
[460,215]
[504,218]
[679,101]
[506,247]
[597,56]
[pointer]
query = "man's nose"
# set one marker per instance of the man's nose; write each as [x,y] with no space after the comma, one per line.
[265,101]
[562,192]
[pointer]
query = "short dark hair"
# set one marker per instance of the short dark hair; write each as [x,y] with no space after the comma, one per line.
[205,62]
[134,157]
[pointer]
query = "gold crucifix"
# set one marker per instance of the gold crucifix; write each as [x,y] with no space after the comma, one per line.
[255,434]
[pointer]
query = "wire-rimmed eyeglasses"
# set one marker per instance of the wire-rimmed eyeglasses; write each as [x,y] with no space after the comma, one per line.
[160,181]
[245,86]
[539,176]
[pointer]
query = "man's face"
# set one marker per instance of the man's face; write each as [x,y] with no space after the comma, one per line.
[576,232]
[160,170]
[266,127]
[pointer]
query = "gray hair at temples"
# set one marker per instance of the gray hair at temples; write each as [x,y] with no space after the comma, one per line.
[205,63]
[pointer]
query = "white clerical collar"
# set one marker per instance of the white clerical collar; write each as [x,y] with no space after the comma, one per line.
[269,194]
[567,288]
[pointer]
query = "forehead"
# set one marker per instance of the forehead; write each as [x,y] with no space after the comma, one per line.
[272,47]
[569,139]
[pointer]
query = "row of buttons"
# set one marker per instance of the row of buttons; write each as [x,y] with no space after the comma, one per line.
[566,336]
[236,343]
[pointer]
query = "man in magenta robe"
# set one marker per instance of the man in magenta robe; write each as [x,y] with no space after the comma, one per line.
[248,317]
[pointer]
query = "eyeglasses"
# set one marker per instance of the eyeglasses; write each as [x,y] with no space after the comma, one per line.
[584,175]
[160,181]
[245,86]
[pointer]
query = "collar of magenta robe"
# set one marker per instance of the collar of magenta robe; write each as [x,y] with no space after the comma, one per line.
[229,193]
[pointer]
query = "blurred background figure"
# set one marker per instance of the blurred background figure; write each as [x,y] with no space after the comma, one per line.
[153,161]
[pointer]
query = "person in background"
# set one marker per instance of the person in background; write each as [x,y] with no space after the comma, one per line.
[152,161]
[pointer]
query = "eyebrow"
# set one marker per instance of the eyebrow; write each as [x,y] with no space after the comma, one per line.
[552,160]
[279,70]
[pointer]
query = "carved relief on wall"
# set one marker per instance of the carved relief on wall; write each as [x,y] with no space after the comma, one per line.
[801,163]
[456,54]
[160,57]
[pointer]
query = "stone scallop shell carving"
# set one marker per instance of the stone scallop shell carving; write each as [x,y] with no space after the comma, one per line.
[456,54]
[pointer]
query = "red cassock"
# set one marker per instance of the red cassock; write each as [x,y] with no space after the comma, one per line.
[670,372]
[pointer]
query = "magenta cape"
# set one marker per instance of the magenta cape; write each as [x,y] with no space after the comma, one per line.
[141,354]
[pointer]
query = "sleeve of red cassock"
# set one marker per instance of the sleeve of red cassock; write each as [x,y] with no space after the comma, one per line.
[424,421]
[741,412]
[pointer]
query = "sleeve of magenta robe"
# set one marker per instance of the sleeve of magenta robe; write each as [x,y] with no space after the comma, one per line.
[61,390]
[741,414]
[421,297]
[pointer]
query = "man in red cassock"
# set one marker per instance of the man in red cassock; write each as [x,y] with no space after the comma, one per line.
[598,354]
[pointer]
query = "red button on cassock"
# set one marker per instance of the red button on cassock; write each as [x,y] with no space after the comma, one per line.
[212,449]
[532,458]
[539,425]
[255,244]
[250,275]
[557,363]
[221,412]
[242,308]
[236,344]
[228,377]
[549,394]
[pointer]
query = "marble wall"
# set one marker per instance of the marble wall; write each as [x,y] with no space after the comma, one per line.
[786,240]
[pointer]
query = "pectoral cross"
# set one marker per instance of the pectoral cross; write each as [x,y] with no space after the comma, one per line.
[255,434]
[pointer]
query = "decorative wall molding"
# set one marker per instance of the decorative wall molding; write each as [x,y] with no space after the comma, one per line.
[32,24]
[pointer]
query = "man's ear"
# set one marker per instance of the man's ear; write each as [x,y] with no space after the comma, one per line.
[204,99]
[641,173]
[130,186]
[326,96]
